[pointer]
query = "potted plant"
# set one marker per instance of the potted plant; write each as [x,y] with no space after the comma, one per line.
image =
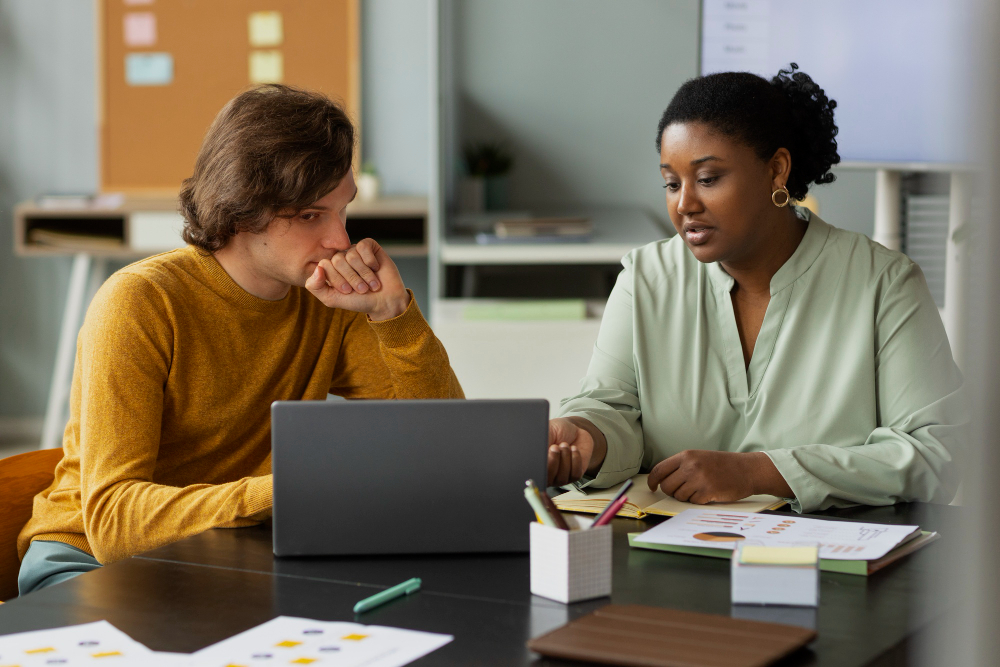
[485,186]
[368,185]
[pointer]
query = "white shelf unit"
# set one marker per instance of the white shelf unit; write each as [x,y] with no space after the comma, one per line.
[616,232]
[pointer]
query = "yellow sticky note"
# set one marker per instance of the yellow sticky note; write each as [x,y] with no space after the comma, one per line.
[267,67]
[266,29]
[760,555]
[355,638]
[288,643]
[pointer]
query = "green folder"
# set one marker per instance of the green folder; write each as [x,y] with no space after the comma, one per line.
[862,567]
[560,309]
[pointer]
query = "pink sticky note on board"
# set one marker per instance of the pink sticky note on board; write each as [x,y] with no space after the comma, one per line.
[140,29]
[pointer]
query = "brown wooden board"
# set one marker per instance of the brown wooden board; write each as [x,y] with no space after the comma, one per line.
[642,636]
[150,134]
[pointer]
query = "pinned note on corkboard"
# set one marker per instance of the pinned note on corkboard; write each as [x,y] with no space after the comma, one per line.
[167,68]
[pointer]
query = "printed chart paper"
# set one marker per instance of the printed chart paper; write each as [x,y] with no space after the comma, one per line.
[837,540]
[299,641]
[92,644]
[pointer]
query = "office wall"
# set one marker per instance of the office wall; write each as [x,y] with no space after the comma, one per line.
[47,143]
[395,109]
[395,93]
[575,89]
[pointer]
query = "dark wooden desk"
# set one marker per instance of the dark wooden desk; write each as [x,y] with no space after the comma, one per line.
[187,595]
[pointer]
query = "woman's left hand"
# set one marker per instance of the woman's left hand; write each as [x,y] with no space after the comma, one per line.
[703,476]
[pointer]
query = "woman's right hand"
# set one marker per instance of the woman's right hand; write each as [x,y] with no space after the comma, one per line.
[571,449]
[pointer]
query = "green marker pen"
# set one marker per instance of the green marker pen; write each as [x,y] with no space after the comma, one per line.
[397,591]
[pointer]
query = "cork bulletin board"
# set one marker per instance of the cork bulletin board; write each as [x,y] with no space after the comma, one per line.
[166,68]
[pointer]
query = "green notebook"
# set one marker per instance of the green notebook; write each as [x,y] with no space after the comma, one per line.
[559,309]
[862,567]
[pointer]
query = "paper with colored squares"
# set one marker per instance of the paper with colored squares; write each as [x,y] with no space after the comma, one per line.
[92,644]
[299,641]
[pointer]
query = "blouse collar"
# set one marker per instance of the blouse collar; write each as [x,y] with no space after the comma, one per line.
[809,249]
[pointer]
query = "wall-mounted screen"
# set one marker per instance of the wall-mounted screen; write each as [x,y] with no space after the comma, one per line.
[900,70]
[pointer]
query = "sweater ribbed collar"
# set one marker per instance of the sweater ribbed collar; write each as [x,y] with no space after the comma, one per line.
[222,284]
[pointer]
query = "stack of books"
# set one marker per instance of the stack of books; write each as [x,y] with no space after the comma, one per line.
[539,230]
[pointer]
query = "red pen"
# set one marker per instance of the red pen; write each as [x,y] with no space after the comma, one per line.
[610,512]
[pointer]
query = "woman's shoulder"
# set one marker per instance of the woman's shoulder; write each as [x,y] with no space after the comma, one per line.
[864,259]
[661,260]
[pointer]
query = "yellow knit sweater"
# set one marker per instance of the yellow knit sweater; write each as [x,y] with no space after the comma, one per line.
[176,368]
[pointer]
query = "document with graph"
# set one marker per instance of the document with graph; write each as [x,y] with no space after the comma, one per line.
[720,529]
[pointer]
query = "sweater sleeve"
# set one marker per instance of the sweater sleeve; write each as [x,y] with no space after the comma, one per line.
[396,358]
[922,415]
[609,393]
[123,358]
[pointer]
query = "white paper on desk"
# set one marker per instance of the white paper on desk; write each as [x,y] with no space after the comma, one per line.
[92,644]
[303,641]
[838,540]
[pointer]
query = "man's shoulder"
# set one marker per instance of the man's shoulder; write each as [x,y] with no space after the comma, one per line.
[166,268]
[150,283]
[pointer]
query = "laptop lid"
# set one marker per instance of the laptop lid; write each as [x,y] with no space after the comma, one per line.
[405,476]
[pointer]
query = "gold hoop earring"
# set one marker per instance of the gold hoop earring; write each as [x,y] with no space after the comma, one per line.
[788,197]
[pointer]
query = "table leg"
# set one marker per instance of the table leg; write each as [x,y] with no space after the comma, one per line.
[62,375]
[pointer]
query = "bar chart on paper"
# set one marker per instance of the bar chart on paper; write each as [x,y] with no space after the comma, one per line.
[837,540]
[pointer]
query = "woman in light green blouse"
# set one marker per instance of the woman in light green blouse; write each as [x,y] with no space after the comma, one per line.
[762,350]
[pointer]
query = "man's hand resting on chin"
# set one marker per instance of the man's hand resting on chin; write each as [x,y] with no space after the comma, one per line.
[362,278]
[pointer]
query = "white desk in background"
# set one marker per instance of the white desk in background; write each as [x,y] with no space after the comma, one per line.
[531,357]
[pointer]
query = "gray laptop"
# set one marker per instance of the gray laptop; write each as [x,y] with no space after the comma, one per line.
[404,477]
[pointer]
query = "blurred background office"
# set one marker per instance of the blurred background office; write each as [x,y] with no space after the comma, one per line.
[559,100]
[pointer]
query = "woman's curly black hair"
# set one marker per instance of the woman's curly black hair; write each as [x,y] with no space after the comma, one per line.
[789,111]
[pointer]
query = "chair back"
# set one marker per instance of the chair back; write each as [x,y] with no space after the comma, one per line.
[22,477]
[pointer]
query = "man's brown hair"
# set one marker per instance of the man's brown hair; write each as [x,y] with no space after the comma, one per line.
[272,150]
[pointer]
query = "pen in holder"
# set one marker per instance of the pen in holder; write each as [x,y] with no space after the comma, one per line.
[570,565]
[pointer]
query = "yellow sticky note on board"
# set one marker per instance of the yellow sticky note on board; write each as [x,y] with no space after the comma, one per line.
[266,29]
[267,67]
[761,555]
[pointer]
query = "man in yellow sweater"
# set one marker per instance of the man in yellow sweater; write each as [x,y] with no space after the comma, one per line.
[181,354]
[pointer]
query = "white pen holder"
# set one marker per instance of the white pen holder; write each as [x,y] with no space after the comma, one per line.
[570,565]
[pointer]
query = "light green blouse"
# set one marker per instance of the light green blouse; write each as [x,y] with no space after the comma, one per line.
[851,390]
